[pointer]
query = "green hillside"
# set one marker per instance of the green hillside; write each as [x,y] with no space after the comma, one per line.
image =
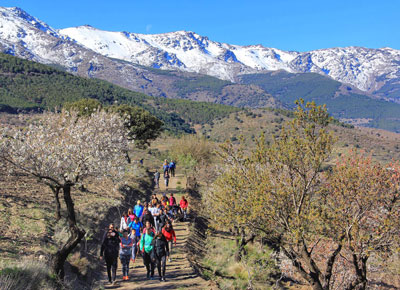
[30,86]
[288,87]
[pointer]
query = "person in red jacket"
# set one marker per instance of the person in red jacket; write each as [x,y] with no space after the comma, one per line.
[184,206]
[170,236]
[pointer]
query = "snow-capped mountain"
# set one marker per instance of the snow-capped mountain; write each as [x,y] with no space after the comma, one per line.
[92,52]
[27,37]
[366,69]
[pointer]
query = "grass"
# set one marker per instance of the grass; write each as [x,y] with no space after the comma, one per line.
[219,265]
[26,275]
[28,229]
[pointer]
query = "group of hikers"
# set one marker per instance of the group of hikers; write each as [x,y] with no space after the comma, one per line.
[168,172]
[146,230]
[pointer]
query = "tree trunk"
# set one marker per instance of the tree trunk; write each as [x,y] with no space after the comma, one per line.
[241,242]
[56,191]
[128,159]
[76,236]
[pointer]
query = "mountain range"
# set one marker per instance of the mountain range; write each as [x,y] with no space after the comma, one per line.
[186,65]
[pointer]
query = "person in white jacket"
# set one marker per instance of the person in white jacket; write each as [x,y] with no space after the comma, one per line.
[125,221]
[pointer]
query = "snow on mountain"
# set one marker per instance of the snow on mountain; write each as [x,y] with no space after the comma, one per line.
[188,51]
[87,50]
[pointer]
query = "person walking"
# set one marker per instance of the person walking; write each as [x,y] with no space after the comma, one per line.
[148,217]
[157,179]
[146,248]
[171,167]
[184,206]
[135,246]
[165,166]
[170,236]
[162,220]
[125,254]
[172,200]
[136,226]
[160,252]
[138,209]
[131,214]
[166,179]
[109,249]
[125,221]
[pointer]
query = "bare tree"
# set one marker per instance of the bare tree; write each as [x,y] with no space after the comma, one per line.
[62,150]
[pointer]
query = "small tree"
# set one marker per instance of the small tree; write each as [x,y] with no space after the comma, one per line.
[142,126]
[62,150]
[275,190]
[192,153]
[84,107]
[363,207]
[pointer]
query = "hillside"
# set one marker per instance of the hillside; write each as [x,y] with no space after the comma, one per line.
[343,102]
[30,86]
[383,145]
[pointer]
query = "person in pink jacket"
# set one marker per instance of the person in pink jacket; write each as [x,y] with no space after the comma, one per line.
[184,206]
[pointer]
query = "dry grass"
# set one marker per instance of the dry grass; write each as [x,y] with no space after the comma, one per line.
[26,275]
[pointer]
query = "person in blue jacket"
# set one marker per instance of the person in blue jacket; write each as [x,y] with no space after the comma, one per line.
[172,166]
[138,209]
[165,166]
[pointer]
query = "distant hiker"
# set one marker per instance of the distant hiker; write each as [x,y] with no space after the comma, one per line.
[110,249]
[166,179]
[170,236]
[125,254]
[157,179]
[155,212]
[136,226]
[154,199]
[138,209]
[131,215]
[170,213]
[172,200]
[148,217]
[162,220]
[172,166]
[146,248]
[125,221]
[160,253]
[184,206]
[164,201]
[165,166]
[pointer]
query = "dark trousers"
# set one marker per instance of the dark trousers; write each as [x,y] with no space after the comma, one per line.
[172,172]
[125,264]
[112,264]
[161,264]
[148,263]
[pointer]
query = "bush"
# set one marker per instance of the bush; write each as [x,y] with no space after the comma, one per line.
[79,264]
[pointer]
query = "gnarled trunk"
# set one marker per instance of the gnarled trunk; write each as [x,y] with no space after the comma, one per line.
[76,236]
[56,191]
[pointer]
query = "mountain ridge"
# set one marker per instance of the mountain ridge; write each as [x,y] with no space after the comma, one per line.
[27,37]
[360,67]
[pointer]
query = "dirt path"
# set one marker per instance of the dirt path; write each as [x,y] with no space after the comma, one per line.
[179,273]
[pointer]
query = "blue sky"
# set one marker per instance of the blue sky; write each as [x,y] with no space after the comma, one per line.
[299,25]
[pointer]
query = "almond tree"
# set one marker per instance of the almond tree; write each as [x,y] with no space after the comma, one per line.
[276,191]
[62,150]
[363,206]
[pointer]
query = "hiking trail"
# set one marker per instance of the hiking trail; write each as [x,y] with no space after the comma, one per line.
[179,272]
